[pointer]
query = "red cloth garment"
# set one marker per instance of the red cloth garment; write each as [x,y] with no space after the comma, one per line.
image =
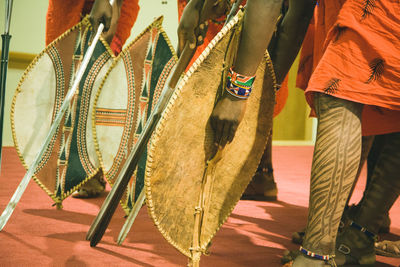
[62,15]
[352,51]
[213,29]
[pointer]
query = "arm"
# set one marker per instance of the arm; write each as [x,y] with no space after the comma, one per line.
[116,12]
[193,24]
[290,36]
[259,24]
[188,24]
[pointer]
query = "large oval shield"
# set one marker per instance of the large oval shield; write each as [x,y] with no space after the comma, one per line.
[70,160]
[183,143]
[125,101]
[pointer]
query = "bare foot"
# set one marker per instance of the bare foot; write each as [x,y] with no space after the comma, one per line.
[388,248]
[93,188]
[262,187]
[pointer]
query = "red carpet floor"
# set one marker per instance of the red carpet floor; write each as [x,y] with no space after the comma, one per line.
[255,235]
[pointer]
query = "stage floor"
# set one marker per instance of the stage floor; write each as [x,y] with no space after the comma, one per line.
[255,235]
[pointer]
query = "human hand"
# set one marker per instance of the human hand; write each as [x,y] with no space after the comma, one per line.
[226,117]
[190,30]
[116,12]
[101,12]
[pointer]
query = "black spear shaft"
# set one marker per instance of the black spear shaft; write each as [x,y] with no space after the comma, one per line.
[4,64]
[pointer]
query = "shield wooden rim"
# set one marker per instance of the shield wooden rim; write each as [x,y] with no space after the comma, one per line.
[159,129]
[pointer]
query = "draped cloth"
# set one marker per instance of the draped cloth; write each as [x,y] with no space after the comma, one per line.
[351,51]
[62,15]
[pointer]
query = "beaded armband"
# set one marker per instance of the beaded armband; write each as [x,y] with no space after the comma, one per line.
[239,85]
[315,255]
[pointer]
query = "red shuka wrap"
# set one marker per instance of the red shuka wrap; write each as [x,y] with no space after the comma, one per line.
[351,51]
[62,15]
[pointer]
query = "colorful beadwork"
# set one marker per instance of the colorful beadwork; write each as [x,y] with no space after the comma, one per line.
[314,255]
[239,85]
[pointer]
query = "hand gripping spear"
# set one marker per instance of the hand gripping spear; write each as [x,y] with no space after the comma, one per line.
[25,181]
[4,64]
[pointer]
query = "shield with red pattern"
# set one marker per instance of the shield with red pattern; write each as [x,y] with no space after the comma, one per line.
[70,159]
[125,100]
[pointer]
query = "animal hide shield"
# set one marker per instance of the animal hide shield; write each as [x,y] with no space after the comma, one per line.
[182,146]
[125,101]
[70,160]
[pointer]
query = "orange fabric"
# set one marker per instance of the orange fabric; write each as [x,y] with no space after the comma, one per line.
[212,31]
[352,52]
[62,15]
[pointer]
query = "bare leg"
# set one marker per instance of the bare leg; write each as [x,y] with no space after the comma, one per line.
[384,186]
[336,159]
[263,187]
[367,141]
[382,192]
[373,156]
[376,149]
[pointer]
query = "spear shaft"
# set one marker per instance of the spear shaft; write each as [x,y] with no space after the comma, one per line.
[4,65]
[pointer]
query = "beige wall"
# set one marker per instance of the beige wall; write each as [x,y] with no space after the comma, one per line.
[28,31]
[294,123]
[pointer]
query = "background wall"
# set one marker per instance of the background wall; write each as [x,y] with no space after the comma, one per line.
[28,31]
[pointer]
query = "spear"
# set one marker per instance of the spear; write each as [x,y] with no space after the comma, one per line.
[4,64]
[56,123]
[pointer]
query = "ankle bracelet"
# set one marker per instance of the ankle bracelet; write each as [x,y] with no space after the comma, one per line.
[315,255]
[364,230]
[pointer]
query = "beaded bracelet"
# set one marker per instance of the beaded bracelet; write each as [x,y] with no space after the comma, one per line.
[239,85]
[315,255]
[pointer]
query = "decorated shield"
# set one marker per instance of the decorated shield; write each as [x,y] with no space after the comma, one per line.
[191,189]
[70,160]
[124,102]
